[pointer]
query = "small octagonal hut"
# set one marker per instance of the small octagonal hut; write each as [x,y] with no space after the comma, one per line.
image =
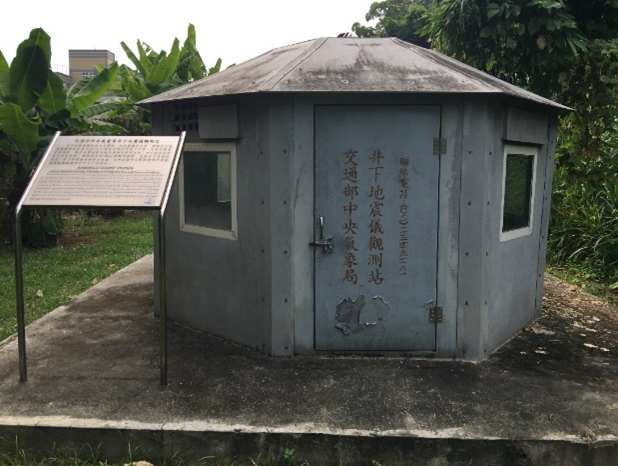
[347,195]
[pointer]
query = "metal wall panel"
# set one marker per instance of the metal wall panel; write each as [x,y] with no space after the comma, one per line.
[514,263]
[473,271]
[448,231]
[548,151]
[281,193]
[216,284]
[218,121]
[302,204]
[525,126]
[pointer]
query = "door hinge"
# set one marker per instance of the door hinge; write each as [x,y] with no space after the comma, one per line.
[435,314]
[439,146]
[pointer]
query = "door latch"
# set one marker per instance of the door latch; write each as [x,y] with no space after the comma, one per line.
[328,246]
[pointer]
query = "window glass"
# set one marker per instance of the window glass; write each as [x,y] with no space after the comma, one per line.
[518,191]
[207,190]
[224,177]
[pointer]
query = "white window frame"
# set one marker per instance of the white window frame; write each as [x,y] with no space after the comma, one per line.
[519,150]
[199,229]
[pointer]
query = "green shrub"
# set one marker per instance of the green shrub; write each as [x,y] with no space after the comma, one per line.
[583,226]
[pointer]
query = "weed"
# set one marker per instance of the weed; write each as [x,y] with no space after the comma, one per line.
[16,456]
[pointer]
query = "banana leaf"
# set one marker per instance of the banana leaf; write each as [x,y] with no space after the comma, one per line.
[19,127]
[54,98]
[93,90]
[166,66]
[138,65]
[28,70]
[5,76]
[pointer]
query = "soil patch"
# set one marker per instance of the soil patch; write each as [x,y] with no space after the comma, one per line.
[574,325]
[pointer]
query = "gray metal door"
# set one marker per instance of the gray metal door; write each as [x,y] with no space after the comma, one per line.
[376,195]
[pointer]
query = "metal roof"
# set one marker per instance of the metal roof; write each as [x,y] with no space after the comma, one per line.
[349,65]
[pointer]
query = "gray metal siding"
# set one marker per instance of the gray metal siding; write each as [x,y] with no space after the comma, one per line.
[258,290]
[525,126]
[216,284]
[547,190]
[281,193]
[302,205]
[448,226]
[473,270]
[514,263]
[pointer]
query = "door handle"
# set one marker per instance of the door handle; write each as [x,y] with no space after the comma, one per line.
[328,246]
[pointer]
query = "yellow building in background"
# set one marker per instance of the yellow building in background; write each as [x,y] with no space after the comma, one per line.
[82,62]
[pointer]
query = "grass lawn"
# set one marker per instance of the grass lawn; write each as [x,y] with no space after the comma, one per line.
[89,249]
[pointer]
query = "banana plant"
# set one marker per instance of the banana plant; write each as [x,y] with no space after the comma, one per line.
[33,106]
[159,72]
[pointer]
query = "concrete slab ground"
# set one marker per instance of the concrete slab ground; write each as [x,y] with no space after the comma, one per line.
[550,396]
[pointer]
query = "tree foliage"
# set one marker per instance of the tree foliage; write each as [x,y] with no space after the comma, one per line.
[566,50]
[396,18]
[520,44]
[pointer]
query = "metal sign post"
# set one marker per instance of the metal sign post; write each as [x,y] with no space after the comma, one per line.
[102,172]
[162,274]
[19,285]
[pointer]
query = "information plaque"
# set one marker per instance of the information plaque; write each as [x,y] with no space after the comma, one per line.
[104,171]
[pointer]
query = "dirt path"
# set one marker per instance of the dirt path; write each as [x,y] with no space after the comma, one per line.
[592,324]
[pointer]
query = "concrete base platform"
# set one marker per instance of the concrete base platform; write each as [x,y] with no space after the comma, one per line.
[550,396]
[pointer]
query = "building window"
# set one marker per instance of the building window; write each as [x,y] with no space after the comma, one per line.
[208,189]
[518,191]
[88,74]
